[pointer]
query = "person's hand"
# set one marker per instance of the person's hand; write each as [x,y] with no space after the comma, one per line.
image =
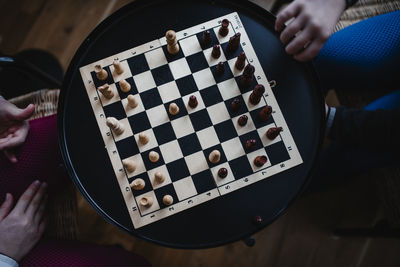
[22,226]
[13,127]
[312,23]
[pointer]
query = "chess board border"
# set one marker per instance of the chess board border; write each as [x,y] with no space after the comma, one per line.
[137,218]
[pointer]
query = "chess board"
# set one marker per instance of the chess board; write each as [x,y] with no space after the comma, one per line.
[185,140]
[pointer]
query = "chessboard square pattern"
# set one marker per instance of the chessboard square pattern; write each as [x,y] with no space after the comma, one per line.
[179,169]
[146,210]
[207,137]
[209,150]
[221,181]
[156,58]
[251,135]
[157,115]
[200,103]
[246,128]
[197,62]
[260,152]
[277,153]
[190,45]
[196,162]
[256,119]
[132,111]
[182,109]
[211,60]
[214,39]
[186,85]
[226,75]
[265,140]
[200,120]
[147,184]
[233,148]
[138,64]
[162,169]
[218,113]
[151,98]
[170,57]
[211,96]
[152,141]
[162,75]
[249,105]
[124,75]
[144,81]
[203,181]
[151,165]
[132,91]
[165,190]
[225,130]
[127,147]
[233,54]
[169,92]
[171,151]
[164,133]
[139,122]
[242,109]
[185,188]
[115,110]
[241,167]
[236,72]
[140,168]
[229,89]
[179,68]
[204,78]
[189,144]
[182,126]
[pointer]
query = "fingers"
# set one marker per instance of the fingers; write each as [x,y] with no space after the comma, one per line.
[287,13]
[10,155]
[23,114]
[36,201]
[310,51]
[299,42]
[294,27]
[17,138]
[40,211]
[5,208]
[26,197]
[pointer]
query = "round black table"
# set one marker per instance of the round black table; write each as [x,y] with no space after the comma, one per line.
[221,220]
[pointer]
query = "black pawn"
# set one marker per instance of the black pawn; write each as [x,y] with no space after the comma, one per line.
[240,61]
[206,38]
[219,69]
[224,30]
[247,78]
[234,43]
[216,51]
[257,93]
[235,105]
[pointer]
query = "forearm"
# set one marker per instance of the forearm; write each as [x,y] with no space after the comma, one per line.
[377,129]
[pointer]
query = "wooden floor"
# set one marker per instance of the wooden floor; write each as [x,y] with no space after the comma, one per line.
[301,237]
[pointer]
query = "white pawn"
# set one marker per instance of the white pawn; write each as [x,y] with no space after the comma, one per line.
[118,67]
[143,138]
[124,85]
[173,109]
[115,125]
[132,101]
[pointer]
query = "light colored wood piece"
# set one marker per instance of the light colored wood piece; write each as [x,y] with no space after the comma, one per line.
[129,165]
[168,200]
[115,125]
[159,177]
[143,138]
[173,109]
[124,85]
[154,156]
[137,184]
[106,91]
[132,101]
[215,156]
[118,67]
[172,44]
[101,73]
[146,201]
